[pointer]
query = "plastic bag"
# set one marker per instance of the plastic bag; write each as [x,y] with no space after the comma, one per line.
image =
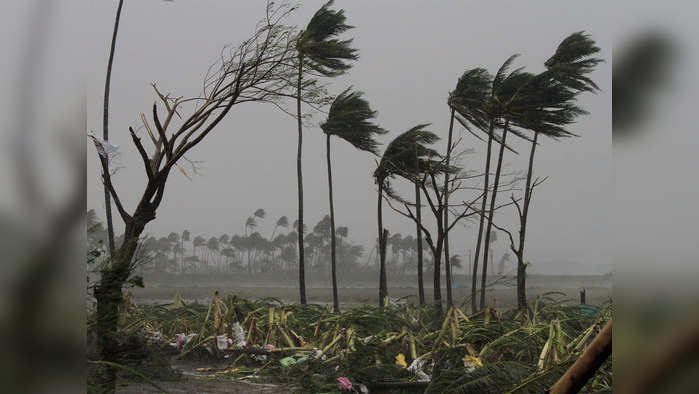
[239,334]
[222,342]
[344,384]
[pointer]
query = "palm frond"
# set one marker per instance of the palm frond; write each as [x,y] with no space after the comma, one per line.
[349,118]
[493,378]
[409,156]
[327,23]
[573,60]
[469,97]
[502,73]
[322,52]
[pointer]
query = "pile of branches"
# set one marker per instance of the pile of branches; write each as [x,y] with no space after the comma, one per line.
[400,347]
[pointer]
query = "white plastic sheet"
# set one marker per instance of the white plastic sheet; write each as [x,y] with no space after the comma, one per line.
[239,334]
[104,148]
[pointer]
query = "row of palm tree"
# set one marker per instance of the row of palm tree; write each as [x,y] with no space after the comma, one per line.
[180,252]
[509,102]
[250,251]
[518,102]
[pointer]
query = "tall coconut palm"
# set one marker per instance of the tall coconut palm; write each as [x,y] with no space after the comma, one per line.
[469,101]
[349,118]
[322,54]
[418,229]
[466,105]
[567,73]
[407,156]
[105,126]
[543,102]
[508,88]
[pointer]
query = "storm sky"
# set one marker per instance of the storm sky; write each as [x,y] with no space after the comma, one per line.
[411,55]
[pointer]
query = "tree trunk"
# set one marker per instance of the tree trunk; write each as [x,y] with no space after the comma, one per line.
[484,199]
[447,261]
[418,209]
[384,276]
[109,297]
[491,213]
[521,267]
[382,248]
[302,275]
[336,302]
[105,128]
[108,293]
[436,278]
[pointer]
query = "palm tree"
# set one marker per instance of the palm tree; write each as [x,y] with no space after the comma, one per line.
[260,213]
[543,102]
[184,238]
[105,126]
[250,223]
[468,104]
[281,222]
[407,156]
[567,68]
[418,225]
[197,242]
[470,92]
[349,119]
[507,87]
[213,246]
[323,54]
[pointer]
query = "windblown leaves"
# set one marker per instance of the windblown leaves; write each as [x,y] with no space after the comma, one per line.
[350,119]
[322,52]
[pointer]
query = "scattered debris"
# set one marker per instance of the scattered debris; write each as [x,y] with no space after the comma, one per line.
[370,349]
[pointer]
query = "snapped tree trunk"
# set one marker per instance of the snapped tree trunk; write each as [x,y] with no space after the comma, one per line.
[484,199]
[336,302]
[418,209]
[105,128]
[521,266]
[491,214]
[447,261]
[302,274]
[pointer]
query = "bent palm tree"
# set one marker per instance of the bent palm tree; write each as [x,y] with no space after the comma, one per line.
[469,100]
[466,105]
[573,59]
[543,103]
[348,118]
[325,55]
[407,156]
[507,88]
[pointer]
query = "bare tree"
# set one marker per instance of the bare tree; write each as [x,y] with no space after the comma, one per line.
[447,216]
[258,70]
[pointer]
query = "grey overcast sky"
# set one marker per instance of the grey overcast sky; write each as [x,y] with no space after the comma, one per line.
[411,54]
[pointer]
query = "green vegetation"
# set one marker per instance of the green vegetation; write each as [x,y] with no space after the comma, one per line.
[308,347]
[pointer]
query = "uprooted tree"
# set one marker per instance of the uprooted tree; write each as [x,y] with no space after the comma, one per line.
[260,69]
